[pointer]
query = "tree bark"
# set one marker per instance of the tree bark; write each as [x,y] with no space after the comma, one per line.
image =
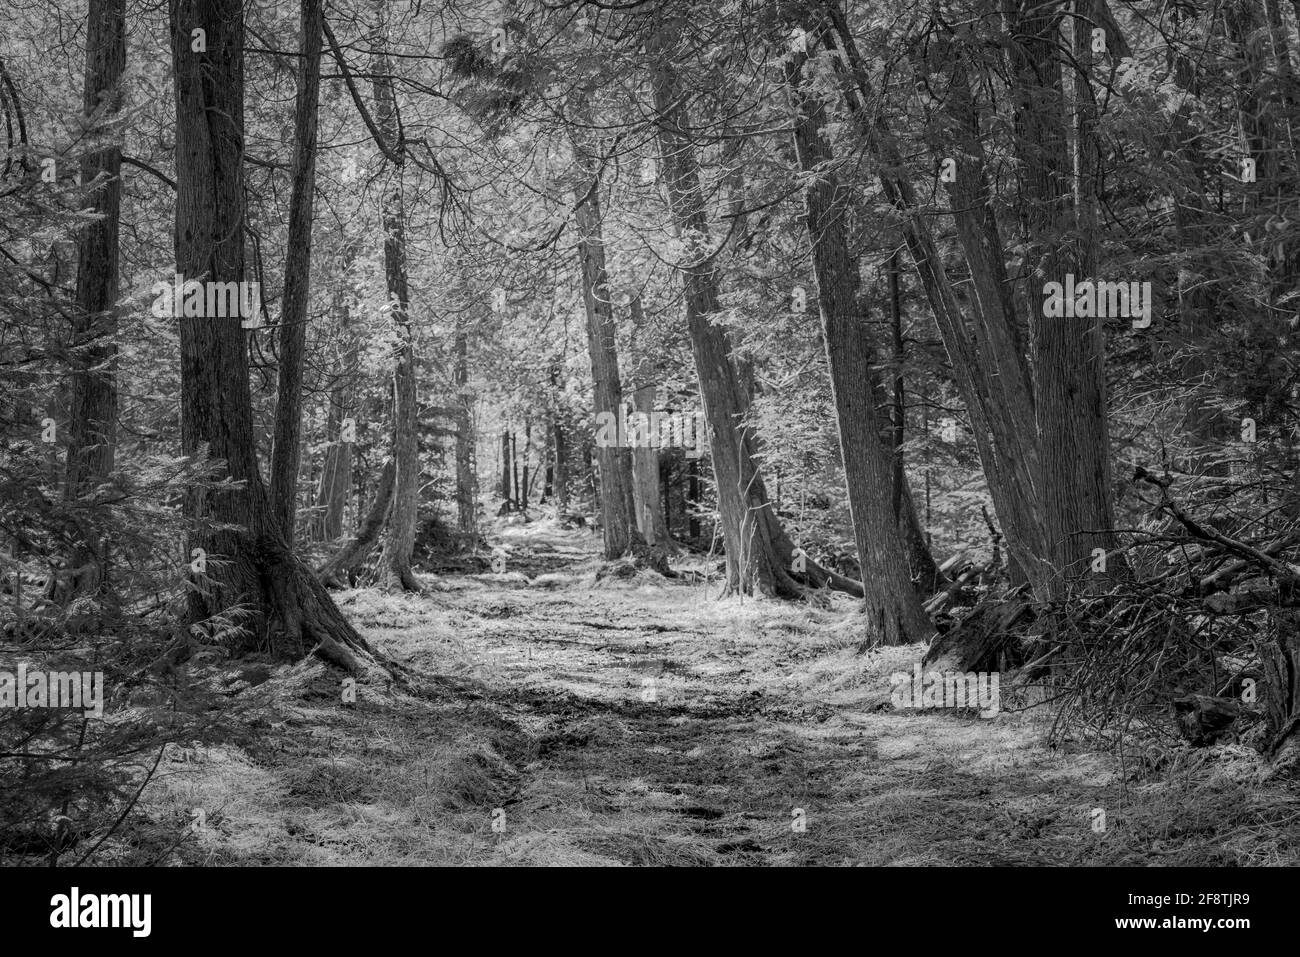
[514,471]
[617,509]
[1068,353]
[560,448]
[645,457]
[336,470]
[892,605]
[344,567]
[525,483]
[924,569]
[506,499]
[693,498]
[758,552]
[466,480]
[252,579]
[1007,456]
[394,567]
[286,452]
[92,432]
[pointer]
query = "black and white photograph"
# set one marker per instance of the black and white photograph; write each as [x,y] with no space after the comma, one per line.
[650,433]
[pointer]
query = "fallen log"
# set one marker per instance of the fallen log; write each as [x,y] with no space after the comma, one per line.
[987,639]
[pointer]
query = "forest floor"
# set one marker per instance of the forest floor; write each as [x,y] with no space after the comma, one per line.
[643,721]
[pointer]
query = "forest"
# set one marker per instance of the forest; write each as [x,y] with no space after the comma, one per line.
[649,432]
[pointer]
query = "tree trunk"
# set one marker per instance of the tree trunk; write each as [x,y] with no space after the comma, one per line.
[466,479]
[345,566]
[560,445]
[248,563]
[506,499]
[286,451]
[693,498]
[645,457]
[514,471]
[92,432]
[921,563]
[528,441]
[394,567]
[893,606]
[336,470]
[1007,455]
[617,509]
[1068,353]
[758,552]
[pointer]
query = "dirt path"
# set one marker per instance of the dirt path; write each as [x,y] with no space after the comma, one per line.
[642,722]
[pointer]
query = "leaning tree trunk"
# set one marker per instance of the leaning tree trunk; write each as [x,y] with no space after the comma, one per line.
[250,578]
[344,568]
[893,607]
[617,510]
[287,450]
[394,567]
[758,551]
[92,432]
[1007,454]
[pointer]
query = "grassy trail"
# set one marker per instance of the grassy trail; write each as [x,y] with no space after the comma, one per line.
[640,721]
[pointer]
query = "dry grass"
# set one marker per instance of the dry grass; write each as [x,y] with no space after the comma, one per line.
[538,724]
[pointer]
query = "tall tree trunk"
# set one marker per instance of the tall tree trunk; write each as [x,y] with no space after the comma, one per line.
[560,446]
[1008,456]
[893,606]
[394,567]
[247,563]
[617,508]
[925,572]
[999,340]
[758,551]
[286,451]
[1068,353]
[645,457]
[514,471]
[693,498]
[528,443]
[336,470]
[92,432]
[505,470]
[466,480]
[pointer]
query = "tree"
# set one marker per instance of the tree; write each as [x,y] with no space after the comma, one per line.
[466,480]
[246,574]
[340,427]
[394,566]
[892,604]
[645,456]
[297,277]
[617,510]
[758,551]
[1067,352]
[92,438]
